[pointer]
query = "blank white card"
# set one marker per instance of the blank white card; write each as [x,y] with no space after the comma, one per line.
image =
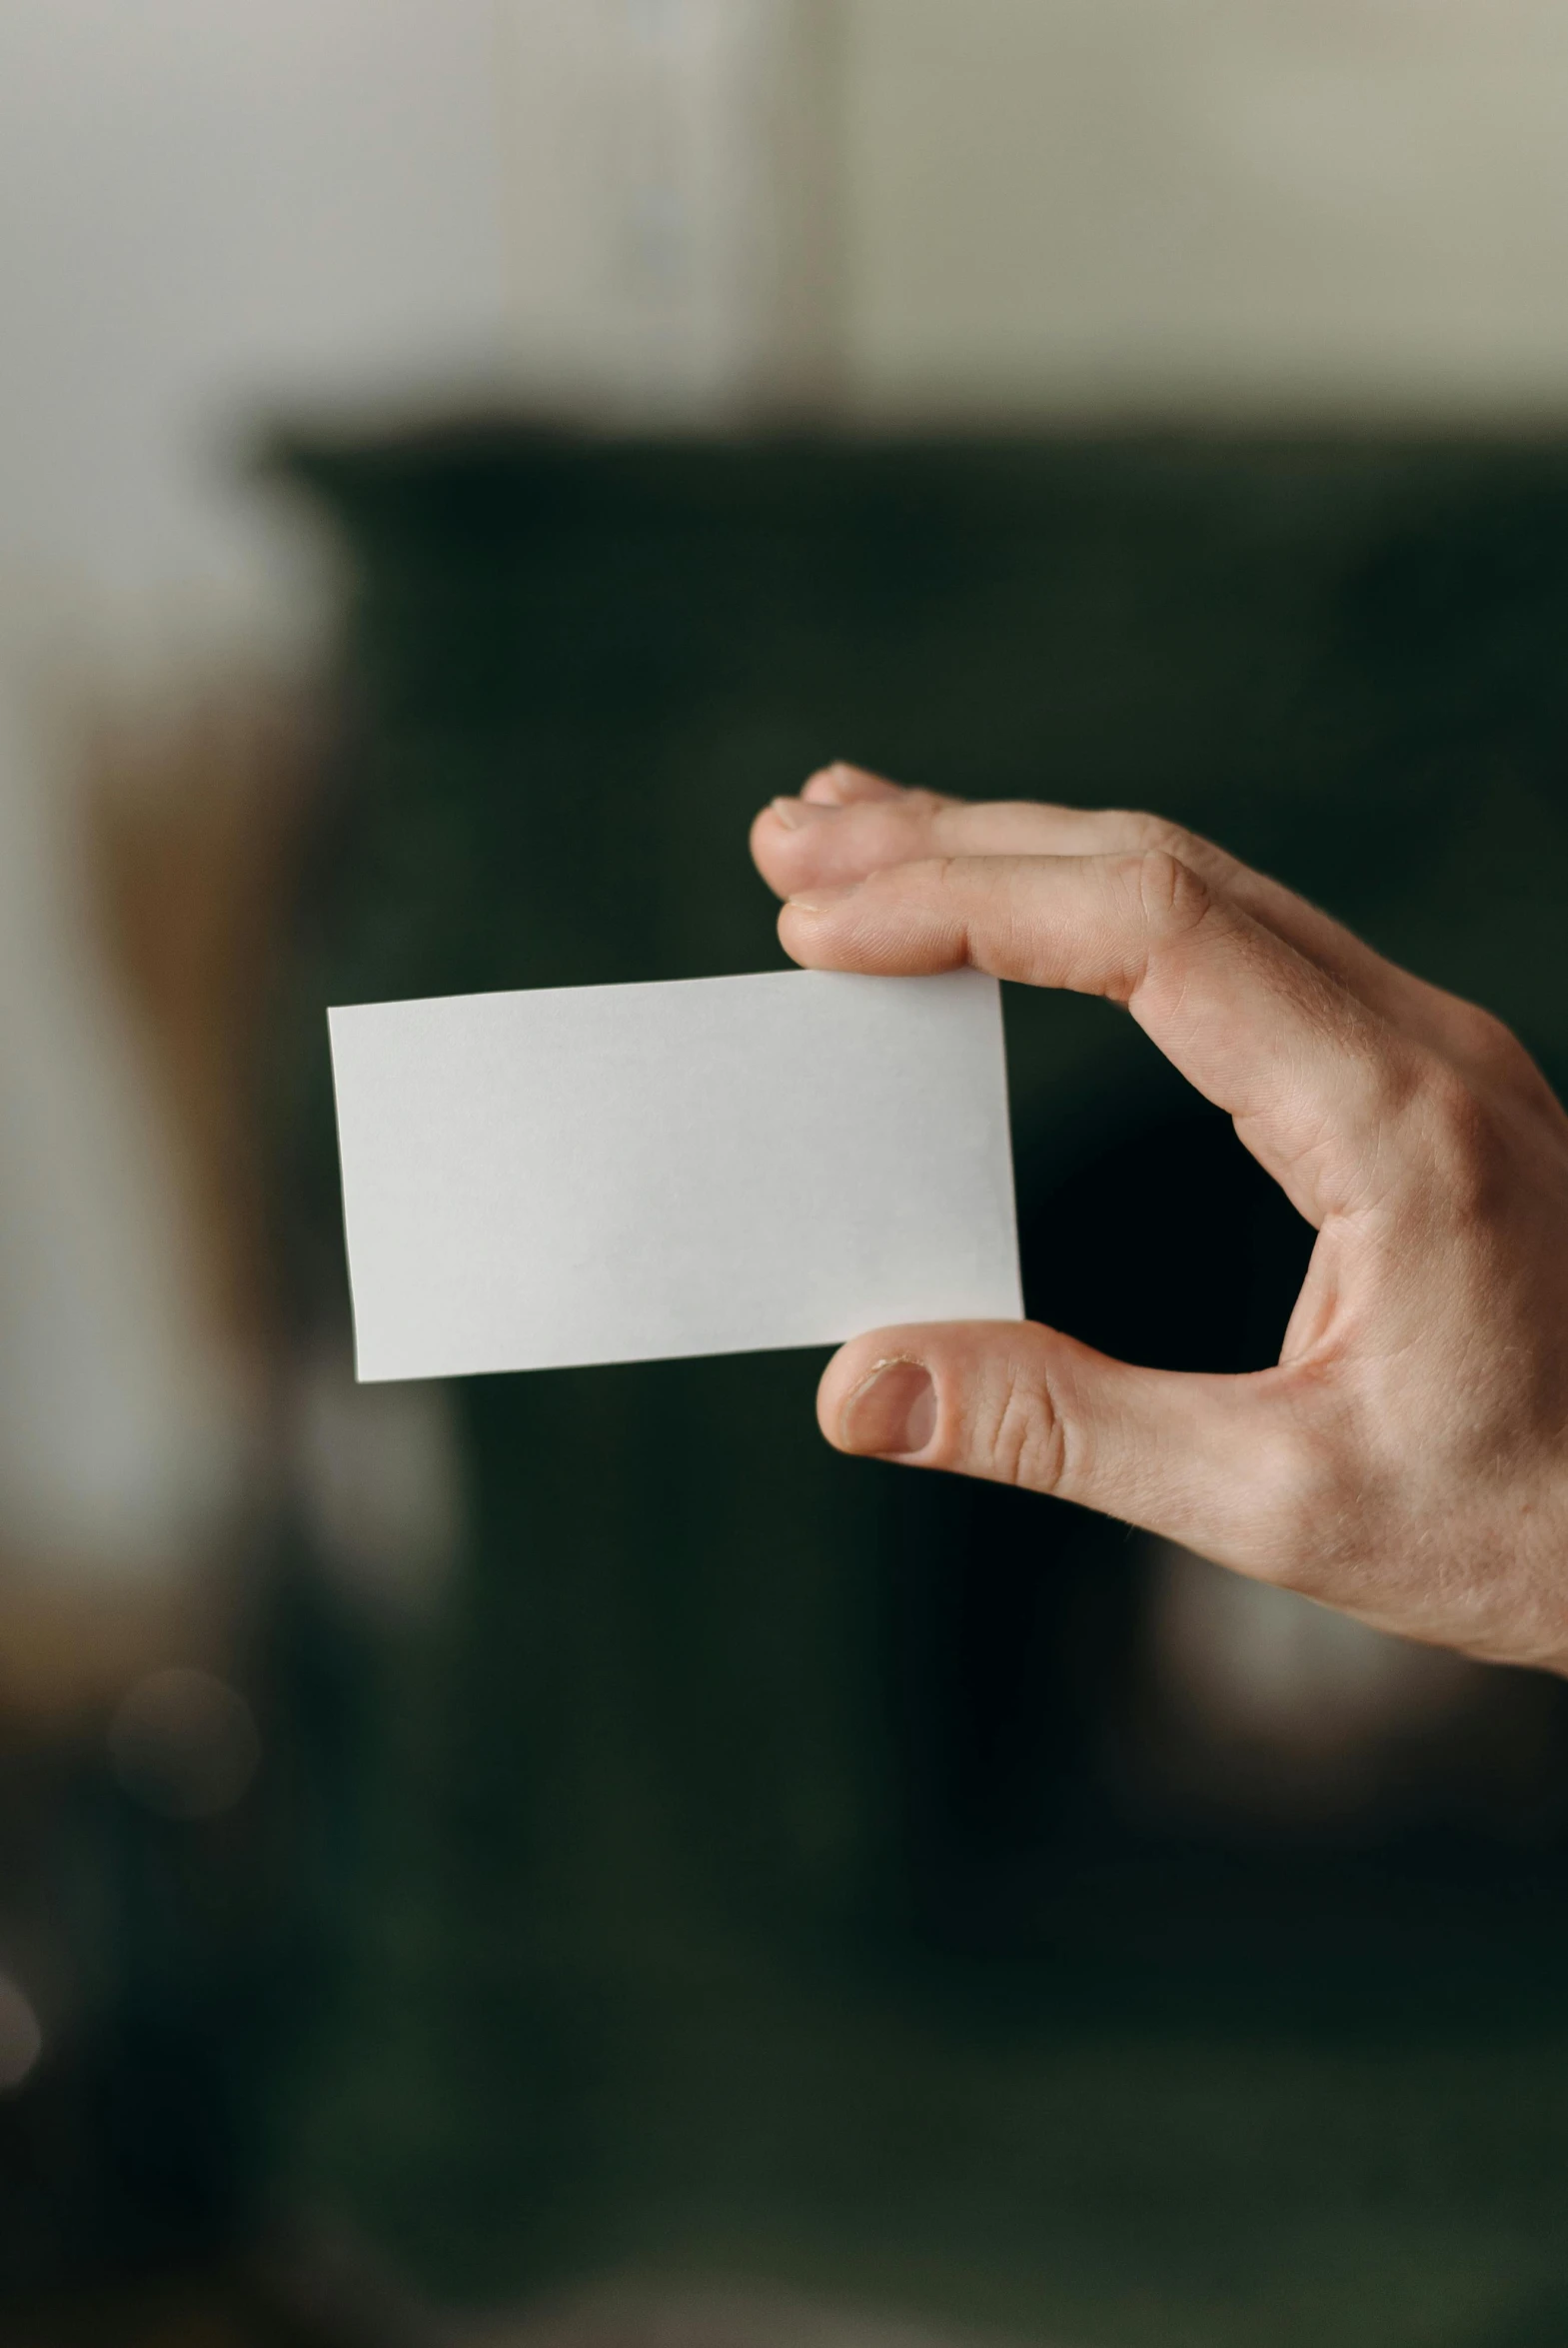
[623,1173]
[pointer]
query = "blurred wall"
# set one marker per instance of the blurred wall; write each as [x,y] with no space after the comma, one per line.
[969,207]
[1296,209]
[205,213]
[893,210]
[675,199]
[1016,208]
[207,216]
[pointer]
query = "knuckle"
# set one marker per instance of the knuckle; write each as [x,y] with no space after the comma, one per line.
[1171,896]
[1464,1150]
[1451,1108]
[1300,1491]
[1145,832]
[1017,1434]
[1487,1041]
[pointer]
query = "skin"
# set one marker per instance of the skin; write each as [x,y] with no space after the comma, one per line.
[1407,1460]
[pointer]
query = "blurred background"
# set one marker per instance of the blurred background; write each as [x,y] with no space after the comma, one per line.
[567,1860]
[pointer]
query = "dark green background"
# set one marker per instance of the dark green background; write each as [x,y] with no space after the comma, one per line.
[742,1882]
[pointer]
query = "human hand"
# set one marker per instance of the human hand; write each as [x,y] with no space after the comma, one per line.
[1407,1460]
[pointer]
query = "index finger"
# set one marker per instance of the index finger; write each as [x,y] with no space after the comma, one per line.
[871,823]
[1308,1071]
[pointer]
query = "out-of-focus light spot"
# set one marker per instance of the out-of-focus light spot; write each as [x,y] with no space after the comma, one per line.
[21,2039]
[381,1478]
[184,1743]
[1265,1664]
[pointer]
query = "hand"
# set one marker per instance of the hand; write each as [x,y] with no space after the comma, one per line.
[1407,1460]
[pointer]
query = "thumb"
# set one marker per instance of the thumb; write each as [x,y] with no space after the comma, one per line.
[1220,1464]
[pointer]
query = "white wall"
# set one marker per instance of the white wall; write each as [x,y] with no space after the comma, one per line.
[674,193]
[1287,208]
[987,209]
[211,212]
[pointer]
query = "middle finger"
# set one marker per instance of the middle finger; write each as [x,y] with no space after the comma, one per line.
[802,843]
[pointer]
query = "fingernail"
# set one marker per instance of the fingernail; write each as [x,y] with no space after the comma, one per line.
[795,814]
[819,900]
[842,776]
[892,1411]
